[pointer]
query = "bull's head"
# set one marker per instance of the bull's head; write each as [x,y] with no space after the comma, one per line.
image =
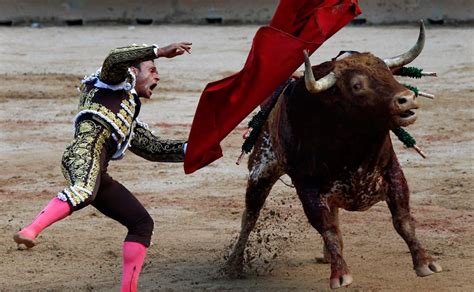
[365,79]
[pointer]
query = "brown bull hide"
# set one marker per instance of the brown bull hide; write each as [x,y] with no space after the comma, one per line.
[335,146]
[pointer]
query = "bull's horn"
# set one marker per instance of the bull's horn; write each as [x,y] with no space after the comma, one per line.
[409,56]
[312,85]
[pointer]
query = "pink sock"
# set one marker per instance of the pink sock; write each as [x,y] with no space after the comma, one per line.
[54,211]
[133,257]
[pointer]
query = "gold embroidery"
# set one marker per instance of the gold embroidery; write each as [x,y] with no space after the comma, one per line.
[125,114]
[86,97]
[150,147]
[81,160]
[122,127]
[109,117]
[127,102]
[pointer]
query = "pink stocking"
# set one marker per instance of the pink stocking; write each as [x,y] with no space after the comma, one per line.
[54,211]
[133,257]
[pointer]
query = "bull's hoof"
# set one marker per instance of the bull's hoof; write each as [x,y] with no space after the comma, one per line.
[428,269]
[342,281]
[232,271]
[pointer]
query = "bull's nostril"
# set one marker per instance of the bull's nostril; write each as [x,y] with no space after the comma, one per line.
[402,100]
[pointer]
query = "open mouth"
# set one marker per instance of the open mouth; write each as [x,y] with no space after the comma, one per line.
[407,114]
[153,86]
[406,118]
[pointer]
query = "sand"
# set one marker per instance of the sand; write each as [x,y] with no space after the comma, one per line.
[197,216]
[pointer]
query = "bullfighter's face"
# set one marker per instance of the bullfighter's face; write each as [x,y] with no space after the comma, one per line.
[146,78]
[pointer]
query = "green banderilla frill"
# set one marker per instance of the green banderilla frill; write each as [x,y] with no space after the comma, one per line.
[418,92]
[255,124]
[404,137]
[412,88]
[407,140]
[254,128]
[412,72]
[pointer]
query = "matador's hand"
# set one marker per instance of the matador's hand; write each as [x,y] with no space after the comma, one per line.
[174,50]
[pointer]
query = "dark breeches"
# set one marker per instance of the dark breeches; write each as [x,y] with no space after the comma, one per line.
[118,203]
[113,200]
[84,165]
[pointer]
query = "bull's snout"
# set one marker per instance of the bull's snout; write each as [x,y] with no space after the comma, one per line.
[406,96]
[402,100]
[404,104]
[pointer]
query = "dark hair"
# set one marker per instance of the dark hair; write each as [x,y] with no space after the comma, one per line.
[137,65]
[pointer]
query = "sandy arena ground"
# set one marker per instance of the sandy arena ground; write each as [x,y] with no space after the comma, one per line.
[198,216]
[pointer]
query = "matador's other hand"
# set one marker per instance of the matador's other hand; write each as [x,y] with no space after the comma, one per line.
[174,50]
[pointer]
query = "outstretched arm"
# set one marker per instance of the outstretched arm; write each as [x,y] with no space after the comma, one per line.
[174,50]
[115,66]
[152,148]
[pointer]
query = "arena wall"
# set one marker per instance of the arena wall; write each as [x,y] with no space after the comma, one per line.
[224,11]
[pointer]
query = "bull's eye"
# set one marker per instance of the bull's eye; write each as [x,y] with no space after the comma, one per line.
[357,86]
[358,83]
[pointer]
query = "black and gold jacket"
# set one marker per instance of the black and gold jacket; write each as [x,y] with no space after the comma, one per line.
[106,125]
[115,106]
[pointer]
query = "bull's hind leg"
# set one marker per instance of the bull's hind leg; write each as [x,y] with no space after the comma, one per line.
[398,201]
[264,172]
[325,221]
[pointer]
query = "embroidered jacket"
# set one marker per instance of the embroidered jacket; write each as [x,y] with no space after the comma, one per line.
[107,115]
[107,96]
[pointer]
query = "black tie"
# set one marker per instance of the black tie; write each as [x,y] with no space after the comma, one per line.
[138,105]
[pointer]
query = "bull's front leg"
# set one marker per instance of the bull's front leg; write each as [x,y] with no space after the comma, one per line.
[325,221]
[335,217]
[398,198]
[264,172]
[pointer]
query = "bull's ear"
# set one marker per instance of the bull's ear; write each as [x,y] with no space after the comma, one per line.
[411,55]
[312,85]
[342,53]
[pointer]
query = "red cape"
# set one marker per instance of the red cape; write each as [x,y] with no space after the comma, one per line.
[277,51]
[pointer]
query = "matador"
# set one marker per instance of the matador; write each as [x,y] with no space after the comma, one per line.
[106,125]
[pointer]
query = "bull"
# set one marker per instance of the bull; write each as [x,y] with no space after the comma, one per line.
[329,132]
